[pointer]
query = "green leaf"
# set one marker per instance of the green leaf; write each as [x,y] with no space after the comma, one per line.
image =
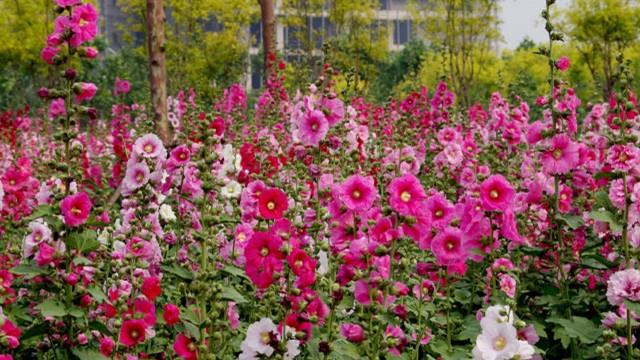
[578,328]
[84,242]
[52,308]
[29,271]
[471,329]
[574,221]
[34,331]
[178,271]
[633,306]
[342,349]
[39,212]
[608,217]
[230,293]
[235,271]
[87,354]
[593,264]
[97,325]
[97,294]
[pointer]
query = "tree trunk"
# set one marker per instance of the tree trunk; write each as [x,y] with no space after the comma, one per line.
[268,17]
[157,68]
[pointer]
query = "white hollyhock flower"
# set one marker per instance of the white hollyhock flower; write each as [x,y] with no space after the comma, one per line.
[232,189]
[498,341]
[497,314]
[293,349]
[525,351]
[166,213]
[39,232]
[323,259]
[259,337]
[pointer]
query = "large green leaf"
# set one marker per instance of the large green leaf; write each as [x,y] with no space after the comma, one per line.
[29,271]
[87,354]
[84,241]
[608,217]
[342,349]
[178,271]
[577,328]
[52,308]
[230,293]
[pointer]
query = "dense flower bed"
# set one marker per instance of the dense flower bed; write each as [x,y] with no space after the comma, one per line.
[313,227]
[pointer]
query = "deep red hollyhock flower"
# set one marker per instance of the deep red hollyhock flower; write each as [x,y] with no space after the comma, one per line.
[272,203]
[185,348]
[303,266]
[263,258]
[171,314]
[151,287]
[132,332]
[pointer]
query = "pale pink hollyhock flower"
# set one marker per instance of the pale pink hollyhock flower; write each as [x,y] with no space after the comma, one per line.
[335,110]
[502,264]
[623,157]
[624,285]
[137,175]
[232,315]
[508,285]
[449,247]
[497,341]
[313,128]
[85,91]
[561,157]
[150,146]
[562,63]
[352,332]
[496,193]
[259,338]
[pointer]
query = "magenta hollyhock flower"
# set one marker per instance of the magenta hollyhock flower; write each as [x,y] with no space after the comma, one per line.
[149,146]
[84,22]
[623,157]
[352,332]
[449,247]
[272,203]
[405,194]
[76,209]
[624,285]
[121,86]
[562,63]
[565,196]
[313,128]
[263,258]
[48,53]
[107,345]
[358,193]
[132,332]
[57,108]
[171,314]
[137,175]
[45,254]
[397,337]
[442,211]
[90,52]
[303,267]
[509,228]
[561,157]
[496,193]
[185,348]
[180,155]
[334,110]
[85,91]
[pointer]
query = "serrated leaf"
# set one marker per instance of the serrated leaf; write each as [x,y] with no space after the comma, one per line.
[178,271]
[342,349]
[87,354]
[574,221]
[51,308]
[578,327]
[29,271]
[230,293]
[593,264]
[97,294]
[84,242]
[40,211]
[235,271]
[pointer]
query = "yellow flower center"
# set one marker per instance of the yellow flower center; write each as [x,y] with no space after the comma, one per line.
[298,263]
[623,157]
[356,194]
[83,22]
[450,245]
[265,337]
[241,237]
[557,153]
[134,334]
[148,148]
[314,127]
[405,196]
[494,194]
[191,347]
[439,213]
[500,343]
[264,251]
[271,205]
[76,211]
[12,182]
[183,156]
[563,197]
[140,177]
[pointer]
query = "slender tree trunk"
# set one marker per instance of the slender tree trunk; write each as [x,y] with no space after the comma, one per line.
[268,17]
[157,68]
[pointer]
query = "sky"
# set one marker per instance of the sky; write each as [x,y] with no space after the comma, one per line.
[521,18]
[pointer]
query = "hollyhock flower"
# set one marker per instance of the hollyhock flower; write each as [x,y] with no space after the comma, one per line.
[496,193]
[449,247]
[623,157]
[358,193]
[272,203]
[232,315]
[442,211]
[259,338]
[45,254]
[497,314]
[562,63]
[85,91]
[84,20]
[166,213]
[303,266]
[132,332]
[171,314]
[405,193]
[181,155]
[149,146]
[624,285]
[107,345]
[48,53]
[509,228]
[57,108]
[90,52]
[66,3]
[352,332]
[508,285]
[231,190]
[564,199]
[313,128]
[185,348]
[561,157]
[335,110]
[395,339]
[121,87]
[151,287]
[76,209]
[497,341]
[263,258]
[137,175]
[39,232]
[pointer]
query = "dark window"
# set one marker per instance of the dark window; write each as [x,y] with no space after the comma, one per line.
[292,39]
[255,30]
[384,4]
[401,32]
[256,79]
[318,31]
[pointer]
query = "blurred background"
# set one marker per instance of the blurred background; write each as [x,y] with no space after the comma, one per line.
[383,48]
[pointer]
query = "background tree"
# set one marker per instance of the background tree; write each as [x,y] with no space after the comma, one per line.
[157,68]
[600,30]
[268,17]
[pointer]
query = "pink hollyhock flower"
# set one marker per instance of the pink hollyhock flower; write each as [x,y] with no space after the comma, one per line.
[508,285]
[623,157]
[121,87]
[85,91]
[502,264]
[180,155]
[496,193]
[624,285]
[442,211]
[313,128]
[335,110]
[562,63]
[84,20]
[396,339]
[57,108]
[263,258]
[449,247]
[48,53]
[66,3]
[150,146]
[405,194]
[232,315]
[352,332]
[107,345]
[171,314]
[358,193]
[272,203]
[185,348]
[76,209]
[151,287]
[564,199]
[509,228]
[561,157]
[90,52]
[137,175]
[303,266]
[11,333]
[132,332]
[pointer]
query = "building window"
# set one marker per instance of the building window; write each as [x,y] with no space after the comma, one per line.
[401,32]
[255,29]
[292,40]
[384,4]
